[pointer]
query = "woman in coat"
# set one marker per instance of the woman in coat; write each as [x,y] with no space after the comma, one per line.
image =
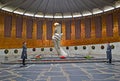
[24,53]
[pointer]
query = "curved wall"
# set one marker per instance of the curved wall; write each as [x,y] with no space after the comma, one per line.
[96,29]
[97,52]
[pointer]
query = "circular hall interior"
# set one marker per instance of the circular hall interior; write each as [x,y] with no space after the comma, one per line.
[86,25]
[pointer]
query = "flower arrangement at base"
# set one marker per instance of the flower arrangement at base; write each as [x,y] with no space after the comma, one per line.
[62,57]
[88,57]
[38,57]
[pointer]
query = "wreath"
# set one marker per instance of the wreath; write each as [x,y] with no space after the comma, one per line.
[112,46]
[93,47]
[102,47]
[75,47]
[15,51]
[67,48]
[6,51]
[42,49]
[84,47]
[34,49]
[51,49]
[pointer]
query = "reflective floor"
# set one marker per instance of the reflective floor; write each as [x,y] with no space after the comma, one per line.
[61,72]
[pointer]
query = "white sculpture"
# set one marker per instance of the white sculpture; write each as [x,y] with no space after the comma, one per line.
[56,39]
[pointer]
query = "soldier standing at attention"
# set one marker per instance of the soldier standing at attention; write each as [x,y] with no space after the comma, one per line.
[24,53]
[109,54]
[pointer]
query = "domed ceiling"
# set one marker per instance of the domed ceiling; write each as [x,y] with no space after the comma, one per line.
[58,8]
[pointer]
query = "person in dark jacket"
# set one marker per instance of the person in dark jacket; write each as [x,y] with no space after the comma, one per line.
[24,53]
[109,54]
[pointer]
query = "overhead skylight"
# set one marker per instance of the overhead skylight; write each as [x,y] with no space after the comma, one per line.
[77,15]
[58,15]
[97,11]
[29,14]
[19,11]
[108,8]
[48,16]
[39,14]
[117,4]
[67,15]
[86,13]
[7,9]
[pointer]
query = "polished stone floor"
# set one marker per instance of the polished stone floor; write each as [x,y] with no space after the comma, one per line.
[61,72]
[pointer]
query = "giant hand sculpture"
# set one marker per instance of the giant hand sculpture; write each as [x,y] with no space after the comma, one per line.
[56,39]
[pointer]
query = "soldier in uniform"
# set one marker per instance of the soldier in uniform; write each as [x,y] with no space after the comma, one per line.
[24,53]
[109,54]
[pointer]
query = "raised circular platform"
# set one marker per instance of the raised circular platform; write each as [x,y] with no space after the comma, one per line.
[51,60]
